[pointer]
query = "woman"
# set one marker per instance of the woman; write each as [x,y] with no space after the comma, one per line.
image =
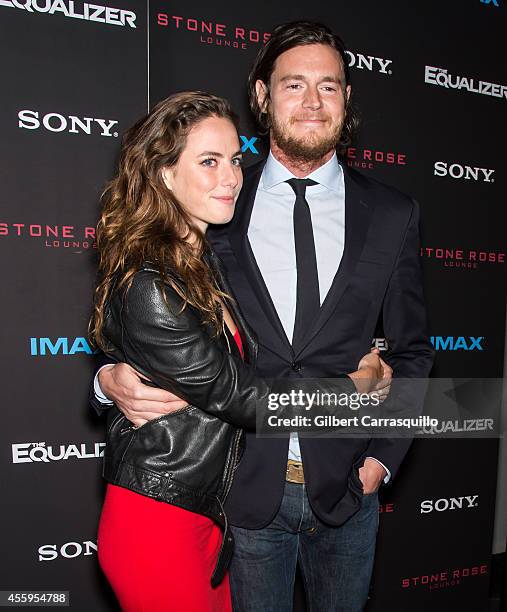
[163,306]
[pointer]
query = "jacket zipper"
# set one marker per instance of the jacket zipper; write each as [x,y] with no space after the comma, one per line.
[237,436]
[233,464]
[114,421]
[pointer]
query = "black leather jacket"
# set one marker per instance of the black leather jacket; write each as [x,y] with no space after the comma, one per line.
[186,458]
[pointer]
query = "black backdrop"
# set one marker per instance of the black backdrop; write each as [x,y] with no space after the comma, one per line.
[72,85]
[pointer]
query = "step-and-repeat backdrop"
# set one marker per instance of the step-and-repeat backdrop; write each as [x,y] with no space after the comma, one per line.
[430,84]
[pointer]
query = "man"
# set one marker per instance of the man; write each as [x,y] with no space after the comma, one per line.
[315,254]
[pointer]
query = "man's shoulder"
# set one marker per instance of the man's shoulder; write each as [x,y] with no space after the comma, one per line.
[384,195]
[254,170]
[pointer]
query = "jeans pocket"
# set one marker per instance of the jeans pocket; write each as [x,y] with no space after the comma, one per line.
[354,479]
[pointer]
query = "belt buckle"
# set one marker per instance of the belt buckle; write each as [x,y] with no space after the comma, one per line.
[295,472]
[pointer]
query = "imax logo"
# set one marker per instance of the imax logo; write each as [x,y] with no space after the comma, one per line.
[46,346]
[249,144]
[453,503]
[54,122]
[369,62]
[467,173]
[458,343]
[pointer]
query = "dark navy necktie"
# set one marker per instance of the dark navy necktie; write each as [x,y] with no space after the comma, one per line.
[307,295]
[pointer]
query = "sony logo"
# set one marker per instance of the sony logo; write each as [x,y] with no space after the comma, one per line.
[54,122]
[453,503]
[457,171]
[69,550]
[369,62]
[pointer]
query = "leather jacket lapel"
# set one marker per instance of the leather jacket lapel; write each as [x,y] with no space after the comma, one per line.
[248,336]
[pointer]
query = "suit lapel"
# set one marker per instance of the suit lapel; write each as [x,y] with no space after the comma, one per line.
[238,238]
[358,209]
[248,336]
[357,219]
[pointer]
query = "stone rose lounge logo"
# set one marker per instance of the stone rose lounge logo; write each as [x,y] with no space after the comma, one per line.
[55,236]
[452,258]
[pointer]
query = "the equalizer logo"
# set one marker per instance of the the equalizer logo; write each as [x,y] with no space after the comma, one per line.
[40,452]
[76,10]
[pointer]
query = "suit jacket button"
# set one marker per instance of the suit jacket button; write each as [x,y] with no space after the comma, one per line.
[296,366]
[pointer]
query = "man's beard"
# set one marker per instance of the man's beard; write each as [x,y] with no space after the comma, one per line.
[306,149]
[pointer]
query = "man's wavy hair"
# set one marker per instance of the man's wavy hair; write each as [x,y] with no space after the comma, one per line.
[287,36]
[142,220]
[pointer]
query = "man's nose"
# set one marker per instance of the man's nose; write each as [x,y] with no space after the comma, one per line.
[312,98]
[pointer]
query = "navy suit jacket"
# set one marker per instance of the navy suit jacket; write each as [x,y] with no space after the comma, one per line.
[379,275]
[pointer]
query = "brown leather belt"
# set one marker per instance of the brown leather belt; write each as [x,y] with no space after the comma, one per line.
[295,472]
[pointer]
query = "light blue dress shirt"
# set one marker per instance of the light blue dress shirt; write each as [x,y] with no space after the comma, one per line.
[271,236]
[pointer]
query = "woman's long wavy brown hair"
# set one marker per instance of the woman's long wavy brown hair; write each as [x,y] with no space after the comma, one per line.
[142,220]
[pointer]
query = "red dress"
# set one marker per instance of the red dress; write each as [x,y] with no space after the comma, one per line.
[158,557]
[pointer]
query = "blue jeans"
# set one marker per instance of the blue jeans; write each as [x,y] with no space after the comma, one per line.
[336,562]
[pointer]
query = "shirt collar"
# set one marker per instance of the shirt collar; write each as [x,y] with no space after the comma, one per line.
[330,175]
